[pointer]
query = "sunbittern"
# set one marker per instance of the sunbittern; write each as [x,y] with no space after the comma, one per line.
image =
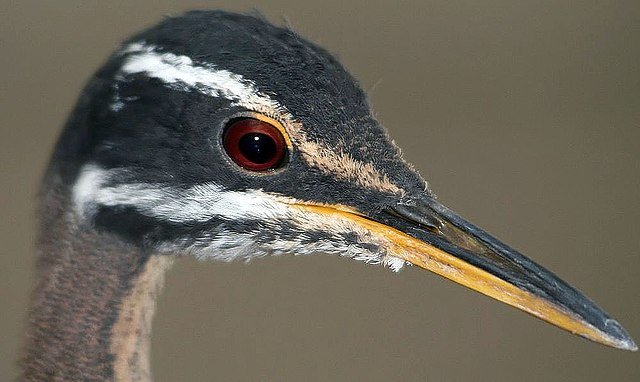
[223,137]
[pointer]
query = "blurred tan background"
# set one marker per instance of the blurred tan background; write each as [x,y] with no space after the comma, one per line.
[524,116]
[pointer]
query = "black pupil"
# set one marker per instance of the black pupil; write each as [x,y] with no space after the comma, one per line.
[258,148]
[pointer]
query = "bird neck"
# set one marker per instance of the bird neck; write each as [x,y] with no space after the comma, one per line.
[92,307]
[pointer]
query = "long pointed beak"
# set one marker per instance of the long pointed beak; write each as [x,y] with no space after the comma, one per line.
[430,236]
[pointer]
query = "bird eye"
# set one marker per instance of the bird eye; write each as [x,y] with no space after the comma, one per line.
[254,145]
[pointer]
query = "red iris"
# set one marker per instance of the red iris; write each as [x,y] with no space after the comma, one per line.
[254,144]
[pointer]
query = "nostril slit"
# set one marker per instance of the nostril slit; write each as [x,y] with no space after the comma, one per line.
[417,216]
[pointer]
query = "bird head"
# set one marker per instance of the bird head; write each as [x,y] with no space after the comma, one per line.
[224,137]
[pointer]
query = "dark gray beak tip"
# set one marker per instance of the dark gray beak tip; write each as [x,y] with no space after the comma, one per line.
[624,340]
[433,223]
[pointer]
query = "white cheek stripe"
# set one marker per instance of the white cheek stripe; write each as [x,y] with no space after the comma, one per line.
[203,202]
[199,203]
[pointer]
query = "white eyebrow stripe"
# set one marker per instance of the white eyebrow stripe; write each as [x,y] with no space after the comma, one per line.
[181,71]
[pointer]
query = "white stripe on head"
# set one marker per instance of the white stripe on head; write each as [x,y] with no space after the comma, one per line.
[199,203]
[203,202]
[181,73]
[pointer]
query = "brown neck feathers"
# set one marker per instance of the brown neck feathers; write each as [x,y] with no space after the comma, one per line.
[92,307]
